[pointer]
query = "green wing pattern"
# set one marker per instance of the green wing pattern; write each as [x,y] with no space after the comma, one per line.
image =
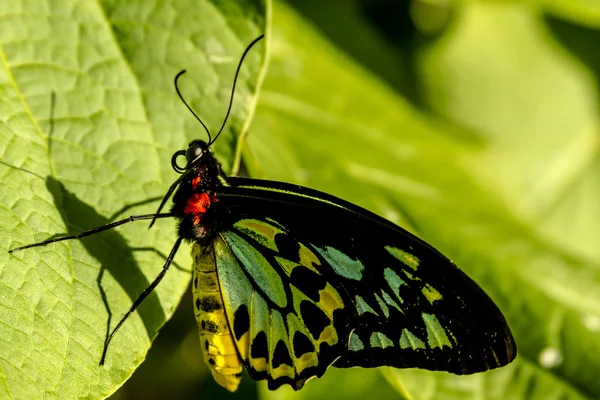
[284,333]
[309,281]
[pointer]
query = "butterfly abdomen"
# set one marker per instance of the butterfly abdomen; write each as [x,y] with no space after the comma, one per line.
[218,348]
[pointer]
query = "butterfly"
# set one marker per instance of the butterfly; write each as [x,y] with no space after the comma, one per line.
[288,281]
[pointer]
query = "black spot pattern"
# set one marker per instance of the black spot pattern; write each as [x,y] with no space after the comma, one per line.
[259,349]
[314,318]
[302,345]
[208,304]
[308,282]
[288,247]
[281,355]
[196,283]
[241,321]
[210,326]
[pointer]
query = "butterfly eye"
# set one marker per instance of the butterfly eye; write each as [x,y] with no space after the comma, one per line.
[194,151]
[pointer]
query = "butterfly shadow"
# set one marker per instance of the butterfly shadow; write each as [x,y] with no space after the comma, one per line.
[110,249]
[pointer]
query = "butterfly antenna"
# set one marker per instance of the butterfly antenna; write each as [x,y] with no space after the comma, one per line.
[233,87]
[188,107]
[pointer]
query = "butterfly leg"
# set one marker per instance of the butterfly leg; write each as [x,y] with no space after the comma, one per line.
[94,231]
[142,296]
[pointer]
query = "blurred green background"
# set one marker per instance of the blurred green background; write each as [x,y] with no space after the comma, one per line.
[474,124]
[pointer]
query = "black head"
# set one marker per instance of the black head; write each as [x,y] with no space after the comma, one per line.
[193,155]
[195,150]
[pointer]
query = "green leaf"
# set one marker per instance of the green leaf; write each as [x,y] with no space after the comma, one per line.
[535,105]
[78,159]
[581,12]
[500,173]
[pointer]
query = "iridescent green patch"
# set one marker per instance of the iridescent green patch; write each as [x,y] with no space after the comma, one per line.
[362,307]
[341,263]
[436,335]
[234,283]
[410,341]
[389,301]
[355,344]
[383,306]
[380,340]
[394,281]
[262,272]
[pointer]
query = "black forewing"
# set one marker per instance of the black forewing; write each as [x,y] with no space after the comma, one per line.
[436,319]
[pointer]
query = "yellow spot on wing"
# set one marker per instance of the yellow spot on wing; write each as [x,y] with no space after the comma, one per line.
[260,231]
[308,258]
[259,364]
[307,360]
[286,264]
[431,294]
[408,259]
[283,370]
[328,335]
[330,300]
[243,345]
